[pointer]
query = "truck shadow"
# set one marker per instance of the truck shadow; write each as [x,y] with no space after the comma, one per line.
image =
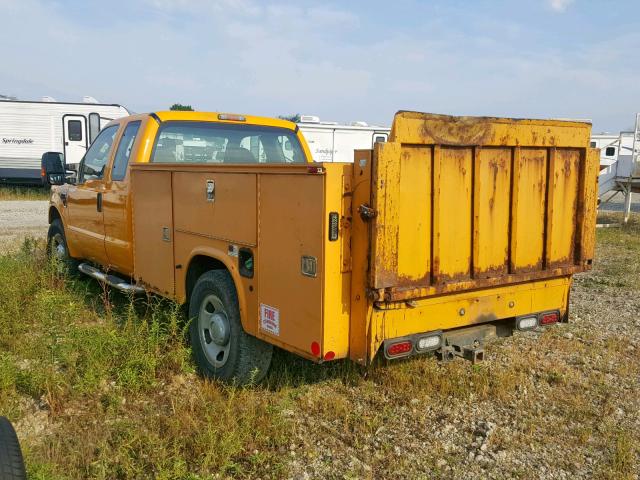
[287,369]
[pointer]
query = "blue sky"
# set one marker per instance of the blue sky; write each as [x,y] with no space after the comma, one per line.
[346,61]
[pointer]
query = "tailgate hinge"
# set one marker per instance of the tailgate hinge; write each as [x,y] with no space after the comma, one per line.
[366,212]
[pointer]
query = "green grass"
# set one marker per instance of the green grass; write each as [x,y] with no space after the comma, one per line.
[11,192]
[101,386]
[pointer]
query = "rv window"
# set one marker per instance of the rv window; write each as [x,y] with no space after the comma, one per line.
[610,151]
[594,144]
[75,130]
[380,139]
[94,161]
[124,151]
[206,142]
[94,126]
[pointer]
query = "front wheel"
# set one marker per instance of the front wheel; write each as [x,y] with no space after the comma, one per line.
[221,348]
[58,251]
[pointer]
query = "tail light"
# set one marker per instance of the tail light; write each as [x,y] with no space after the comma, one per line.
[428,342]
[548,318]
[528,322]
[398,349]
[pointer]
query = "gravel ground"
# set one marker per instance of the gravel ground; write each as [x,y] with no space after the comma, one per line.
[561,403]
[21,218]
[616,204]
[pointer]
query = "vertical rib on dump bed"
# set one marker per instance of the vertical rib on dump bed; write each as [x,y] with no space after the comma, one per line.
[466,202]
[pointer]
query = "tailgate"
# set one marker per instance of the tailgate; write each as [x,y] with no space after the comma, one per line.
[464,203]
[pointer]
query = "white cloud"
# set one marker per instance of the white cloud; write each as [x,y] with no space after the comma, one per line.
[559,5]
[270,58]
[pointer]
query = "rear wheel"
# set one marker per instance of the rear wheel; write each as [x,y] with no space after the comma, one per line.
[11,462]
[58,251]
[221,348]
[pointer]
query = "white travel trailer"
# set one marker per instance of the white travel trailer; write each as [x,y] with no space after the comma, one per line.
[608,145]
[30,128]
[623,173]
[332,142]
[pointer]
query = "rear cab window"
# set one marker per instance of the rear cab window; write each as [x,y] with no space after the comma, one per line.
[210,142]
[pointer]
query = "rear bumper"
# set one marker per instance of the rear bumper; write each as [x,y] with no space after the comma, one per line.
[447,312]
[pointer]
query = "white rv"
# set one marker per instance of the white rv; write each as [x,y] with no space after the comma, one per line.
[332,142]
[608,145]
[30,128]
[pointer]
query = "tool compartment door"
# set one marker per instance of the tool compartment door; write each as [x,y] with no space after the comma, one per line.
[464,203]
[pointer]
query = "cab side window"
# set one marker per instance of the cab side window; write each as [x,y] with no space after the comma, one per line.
[124,150]
[96,158]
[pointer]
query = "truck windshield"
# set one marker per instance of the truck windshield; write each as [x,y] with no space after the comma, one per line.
[207,142]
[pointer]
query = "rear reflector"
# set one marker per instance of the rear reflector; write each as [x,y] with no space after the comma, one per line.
[399,348]
[527,323]
[428,343]
[549,317]
[334,226]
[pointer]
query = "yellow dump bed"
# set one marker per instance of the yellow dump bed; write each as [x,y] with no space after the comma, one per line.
[461,203]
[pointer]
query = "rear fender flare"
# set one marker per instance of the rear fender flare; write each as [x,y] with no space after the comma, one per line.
[231,266]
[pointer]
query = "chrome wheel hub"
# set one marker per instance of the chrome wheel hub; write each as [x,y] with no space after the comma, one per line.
[214,331]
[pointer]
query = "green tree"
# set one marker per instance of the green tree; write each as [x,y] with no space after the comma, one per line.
[179,106]
[292,118]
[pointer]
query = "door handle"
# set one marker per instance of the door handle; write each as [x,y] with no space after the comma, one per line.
[99,202]
[210,190]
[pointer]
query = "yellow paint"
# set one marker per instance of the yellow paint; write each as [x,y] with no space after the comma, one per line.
[491,222]
[529,205]
[414,229]
[452,209]
[443,313]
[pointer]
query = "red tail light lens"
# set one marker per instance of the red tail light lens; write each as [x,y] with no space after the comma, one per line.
[549,317]
[399,348]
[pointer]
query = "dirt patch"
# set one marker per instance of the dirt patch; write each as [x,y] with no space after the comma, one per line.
[19,219]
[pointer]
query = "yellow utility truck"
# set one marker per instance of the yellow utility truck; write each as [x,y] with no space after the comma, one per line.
[455,230]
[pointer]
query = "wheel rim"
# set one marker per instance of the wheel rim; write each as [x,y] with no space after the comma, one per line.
[58,250]
[214,331]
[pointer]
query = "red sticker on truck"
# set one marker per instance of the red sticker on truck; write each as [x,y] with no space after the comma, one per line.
[269,319]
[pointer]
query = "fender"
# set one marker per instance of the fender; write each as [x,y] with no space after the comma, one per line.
[231,266]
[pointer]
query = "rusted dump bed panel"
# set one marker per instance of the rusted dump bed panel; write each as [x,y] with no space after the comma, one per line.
[464,203]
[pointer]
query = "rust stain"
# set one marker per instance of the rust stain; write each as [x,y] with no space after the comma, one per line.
[457,131]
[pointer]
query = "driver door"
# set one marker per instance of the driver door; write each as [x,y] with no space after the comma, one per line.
[85,200]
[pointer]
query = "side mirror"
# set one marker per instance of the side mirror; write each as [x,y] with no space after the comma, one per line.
[53,169]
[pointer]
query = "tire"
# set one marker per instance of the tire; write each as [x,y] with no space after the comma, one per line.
[221,348]
[11,462]
[58,251]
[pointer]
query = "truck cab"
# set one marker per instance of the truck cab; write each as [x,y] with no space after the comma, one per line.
[96,209]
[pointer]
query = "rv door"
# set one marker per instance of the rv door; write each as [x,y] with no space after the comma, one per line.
[75,138]
[379,137]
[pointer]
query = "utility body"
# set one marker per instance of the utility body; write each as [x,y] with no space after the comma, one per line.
[455,230]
